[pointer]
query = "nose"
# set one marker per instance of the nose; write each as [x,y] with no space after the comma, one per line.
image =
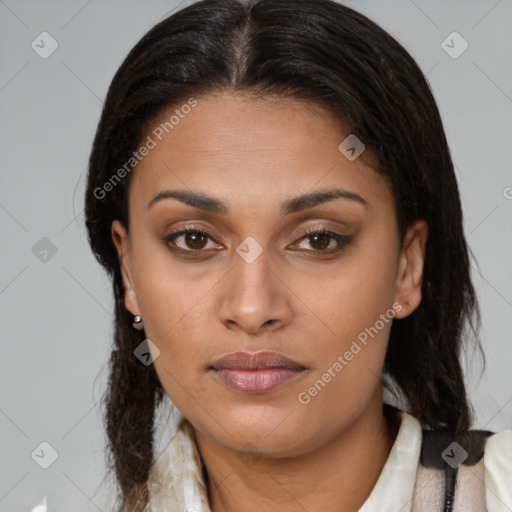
[254,297]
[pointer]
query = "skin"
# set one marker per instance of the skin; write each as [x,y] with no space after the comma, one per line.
[253,155]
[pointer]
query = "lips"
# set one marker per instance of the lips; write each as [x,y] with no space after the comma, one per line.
[259,372]
[255,361]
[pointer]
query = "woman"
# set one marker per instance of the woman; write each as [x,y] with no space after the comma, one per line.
[271,190]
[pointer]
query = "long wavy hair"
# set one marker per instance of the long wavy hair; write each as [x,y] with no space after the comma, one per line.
[322,52]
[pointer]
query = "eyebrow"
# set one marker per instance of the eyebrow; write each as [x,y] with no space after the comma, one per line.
[296,204]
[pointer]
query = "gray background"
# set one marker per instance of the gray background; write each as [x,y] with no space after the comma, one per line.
[56,315]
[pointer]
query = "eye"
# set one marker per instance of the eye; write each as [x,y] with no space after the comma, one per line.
[193,239]
[320,239]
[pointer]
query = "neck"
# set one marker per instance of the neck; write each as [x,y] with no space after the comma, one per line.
[339,475]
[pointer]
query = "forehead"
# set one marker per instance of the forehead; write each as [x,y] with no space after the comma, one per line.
[237,148]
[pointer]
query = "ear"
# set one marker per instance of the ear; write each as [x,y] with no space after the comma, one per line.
[410,268]
[121,242]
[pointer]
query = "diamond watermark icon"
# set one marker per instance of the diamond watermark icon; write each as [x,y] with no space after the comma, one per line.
[248,458]
[44,455]
[454,455]
[44,250]
[351,147]
[454,45]
[249,249]
[44,45]
[147,352]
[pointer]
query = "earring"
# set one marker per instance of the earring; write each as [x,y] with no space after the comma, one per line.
[137,322]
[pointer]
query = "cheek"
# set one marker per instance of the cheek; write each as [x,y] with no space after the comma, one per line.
[353,297]
[356,309]
[171,309]
[178,365]
[349,369]
[164,297]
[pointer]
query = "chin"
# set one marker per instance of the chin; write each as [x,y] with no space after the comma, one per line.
[265,430]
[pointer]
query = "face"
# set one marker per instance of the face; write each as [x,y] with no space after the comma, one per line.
[252,275]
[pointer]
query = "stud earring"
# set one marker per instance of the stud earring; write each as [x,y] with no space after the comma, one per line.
[137,322]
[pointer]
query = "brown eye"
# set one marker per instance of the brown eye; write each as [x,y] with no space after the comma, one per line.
[195,240]
[192,240]
[321,239]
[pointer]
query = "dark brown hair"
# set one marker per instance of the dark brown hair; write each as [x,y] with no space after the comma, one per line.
[325,53]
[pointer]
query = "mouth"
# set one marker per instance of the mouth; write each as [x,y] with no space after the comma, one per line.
[255,361]
[258,372]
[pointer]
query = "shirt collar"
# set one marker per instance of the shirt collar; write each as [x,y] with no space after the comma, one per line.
[176,481]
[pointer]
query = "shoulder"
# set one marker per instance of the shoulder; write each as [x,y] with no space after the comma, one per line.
[474,471]
[497,462]
[176,482]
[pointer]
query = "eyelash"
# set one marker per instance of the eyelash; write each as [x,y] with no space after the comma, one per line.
[342,240]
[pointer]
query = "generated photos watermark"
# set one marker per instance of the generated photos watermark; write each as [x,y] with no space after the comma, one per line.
[158,133]
[305,397]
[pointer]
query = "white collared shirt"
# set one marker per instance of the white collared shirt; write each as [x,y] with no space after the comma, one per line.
[176,481]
